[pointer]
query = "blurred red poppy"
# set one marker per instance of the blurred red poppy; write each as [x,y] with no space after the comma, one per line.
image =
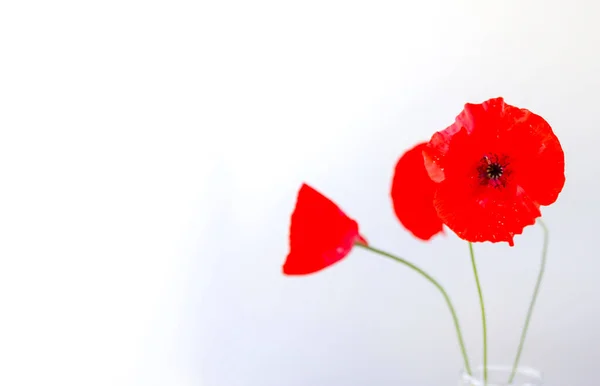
[494,167]
[320,234]
[412,195]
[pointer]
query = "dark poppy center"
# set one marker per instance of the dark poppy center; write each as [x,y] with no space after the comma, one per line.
[493,170]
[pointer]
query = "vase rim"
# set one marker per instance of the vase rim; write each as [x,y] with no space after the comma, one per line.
[533,377]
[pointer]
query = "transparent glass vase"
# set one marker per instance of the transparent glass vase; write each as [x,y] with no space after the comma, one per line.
[499,376]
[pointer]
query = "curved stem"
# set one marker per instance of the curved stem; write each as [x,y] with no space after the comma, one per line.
[485,370]
[532,303]
[438,286]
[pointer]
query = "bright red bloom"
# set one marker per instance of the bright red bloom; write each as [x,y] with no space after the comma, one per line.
[320,234]
[412,195]
[494,167]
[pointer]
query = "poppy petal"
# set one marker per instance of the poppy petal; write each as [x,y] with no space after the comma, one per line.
[540,167]
[320,234]
[494,166]
[412,195]
[482,216]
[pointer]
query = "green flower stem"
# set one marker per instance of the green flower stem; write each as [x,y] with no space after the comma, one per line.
[485,369]
[532,303]
[438,286]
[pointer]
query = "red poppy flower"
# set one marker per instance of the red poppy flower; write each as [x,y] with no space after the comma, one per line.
[494,167]
[412,195]
[320,234]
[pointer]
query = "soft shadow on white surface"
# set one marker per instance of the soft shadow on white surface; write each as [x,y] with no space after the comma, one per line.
[151,155]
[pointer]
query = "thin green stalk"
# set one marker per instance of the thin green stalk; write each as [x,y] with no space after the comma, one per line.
[532,303]
[485,369]
[438,286]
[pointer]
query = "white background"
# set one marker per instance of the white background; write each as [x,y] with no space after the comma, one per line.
[150,154]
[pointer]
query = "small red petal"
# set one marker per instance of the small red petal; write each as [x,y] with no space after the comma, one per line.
[495,166]
[361,240]
[320,234]
[412,195]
